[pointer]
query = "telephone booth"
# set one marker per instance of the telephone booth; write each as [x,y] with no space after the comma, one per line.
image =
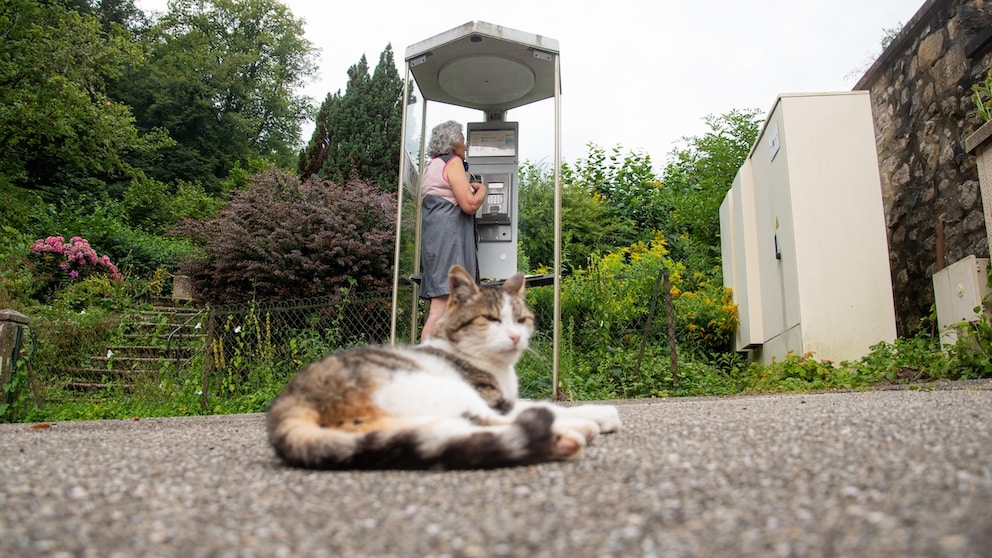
[491,69]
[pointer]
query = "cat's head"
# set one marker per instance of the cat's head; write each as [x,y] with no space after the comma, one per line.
[488,321]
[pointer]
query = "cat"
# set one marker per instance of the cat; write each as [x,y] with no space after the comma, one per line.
[449,403]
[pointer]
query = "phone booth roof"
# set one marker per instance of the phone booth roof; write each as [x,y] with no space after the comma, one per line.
[484,66]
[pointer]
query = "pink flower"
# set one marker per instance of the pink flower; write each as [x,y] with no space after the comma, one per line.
[77,254]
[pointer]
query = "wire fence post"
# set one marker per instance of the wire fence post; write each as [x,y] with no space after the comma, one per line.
[662,276]
[670,310]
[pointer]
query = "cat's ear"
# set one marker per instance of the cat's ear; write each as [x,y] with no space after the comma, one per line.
[462,284]
[515,284]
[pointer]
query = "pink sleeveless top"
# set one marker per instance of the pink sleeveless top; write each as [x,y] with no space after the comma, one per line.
[433,182]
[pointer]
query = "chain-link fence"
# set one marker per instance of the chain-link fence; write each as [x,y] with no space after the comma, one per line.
[162,354]
[188,360]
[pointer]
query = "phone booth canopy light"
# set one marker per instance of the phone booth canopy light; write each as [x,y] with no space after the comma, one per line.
[484,66]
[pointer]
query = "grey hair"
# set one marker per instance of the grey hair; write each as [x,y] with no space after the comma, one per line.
[444,136]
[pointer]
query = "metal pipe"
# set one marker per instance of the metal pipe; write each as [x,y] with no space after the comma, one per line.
[414,317]
[399,207]
[556,326]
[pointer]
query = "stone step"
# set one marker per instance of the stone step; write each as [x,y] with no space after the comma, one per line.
[147,351]
[126,363]
[94,379]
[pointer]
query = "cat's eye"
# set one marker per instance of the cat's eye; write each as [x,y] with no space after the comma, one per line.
[523,319]
[492,318]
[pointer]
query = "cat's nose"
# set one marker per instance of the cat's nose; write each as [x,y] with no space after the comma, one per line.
[515,337]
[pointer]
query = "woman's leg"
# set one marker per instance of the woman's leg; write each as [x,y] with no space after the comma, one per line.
[434,313]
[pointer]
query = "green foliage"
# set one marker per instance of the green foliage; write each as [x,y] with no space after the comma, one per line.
[971,353]
[696,180]
[802,374]
[982,96]
[56,118]
[239,175]
[705,310]
[913,358]
[357,134]
[22,210]
[147,205]
[629,188]
[16,401]
[611,300]
[111,12]
[219,76]
[615,324]
[154,207]
[190,201]
[140,252]
[586,220]
[18,285]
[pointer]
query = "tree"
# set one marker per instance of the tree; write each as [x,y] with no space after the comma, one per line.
[357,134]
[586,223]
[698,176]
[220,78]
[57,123]
[280,237]
[111,12]
[628,186]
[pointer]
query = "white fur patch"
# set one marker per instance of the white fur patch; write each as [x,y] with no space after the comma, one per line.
[412,394]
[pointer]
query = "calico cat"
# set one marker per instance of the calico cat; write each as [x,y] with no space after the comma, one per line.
[448,403]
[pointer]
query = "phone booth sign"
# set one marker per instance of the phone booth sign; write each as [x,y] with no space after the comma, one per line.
[493,69]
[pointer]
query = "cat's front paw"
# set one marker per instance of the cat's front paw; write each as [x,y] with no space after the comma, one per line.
[588,428]
[566,444]
[610,422]
[606,416]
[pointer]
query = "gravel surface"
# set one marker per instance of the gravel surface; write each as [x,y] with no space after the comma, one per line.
[882,473]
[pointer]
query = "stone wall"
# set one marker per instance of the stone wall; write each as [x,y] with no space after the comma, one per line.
[921,100]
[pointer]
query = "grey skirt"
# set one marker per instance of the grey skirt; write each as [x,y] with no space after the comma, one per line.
[447,238]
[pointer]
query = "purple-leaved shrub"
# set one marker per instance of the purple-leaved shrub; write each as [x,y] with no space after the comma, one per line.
[279,238]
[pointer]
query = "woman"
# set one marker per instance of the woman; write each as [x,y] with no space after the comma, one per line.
[447,218]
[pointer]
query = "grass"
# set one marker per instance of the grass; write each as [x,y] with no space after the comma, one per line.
[614,373]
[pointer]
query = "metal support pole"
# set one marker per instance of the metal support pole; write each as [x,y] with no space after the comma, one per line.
[414,317]
[556,327]
[399,207]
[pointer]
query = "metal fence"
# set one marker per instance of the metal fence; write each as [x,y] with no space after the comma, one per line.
[191,360]
[164,353]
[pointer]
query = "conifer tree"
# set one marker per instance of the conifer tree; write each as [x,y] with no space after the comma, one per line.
[357,133]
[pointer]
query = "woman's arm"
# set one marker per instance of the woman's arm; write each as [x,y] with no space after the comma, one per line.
[468,196]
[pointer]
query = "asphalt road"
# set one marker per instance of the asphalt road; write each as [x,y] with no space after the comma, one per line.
[884,473]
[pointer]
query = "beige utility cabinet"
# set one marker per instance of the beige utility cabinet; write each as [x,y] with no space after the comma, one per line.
[803,233]
[741,258]
[958,291]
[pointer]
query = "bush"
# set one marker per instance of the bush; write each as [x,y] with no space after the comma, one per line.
[17,282]
[58,262]
[140,252]
[611,300]
[280,238]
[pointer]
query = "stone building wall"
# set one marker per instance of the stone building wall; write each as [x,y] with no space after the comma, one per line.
[921,100]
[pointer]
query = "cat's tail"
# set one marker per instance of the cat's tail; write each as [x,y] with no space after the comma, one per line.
[299,439]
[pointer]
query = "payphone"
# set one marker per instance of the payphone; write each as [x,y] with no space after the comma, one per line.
[492,154]
[493,69]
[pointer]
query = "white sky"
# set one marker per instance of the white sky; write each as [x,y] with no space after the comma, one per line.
[636,73]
